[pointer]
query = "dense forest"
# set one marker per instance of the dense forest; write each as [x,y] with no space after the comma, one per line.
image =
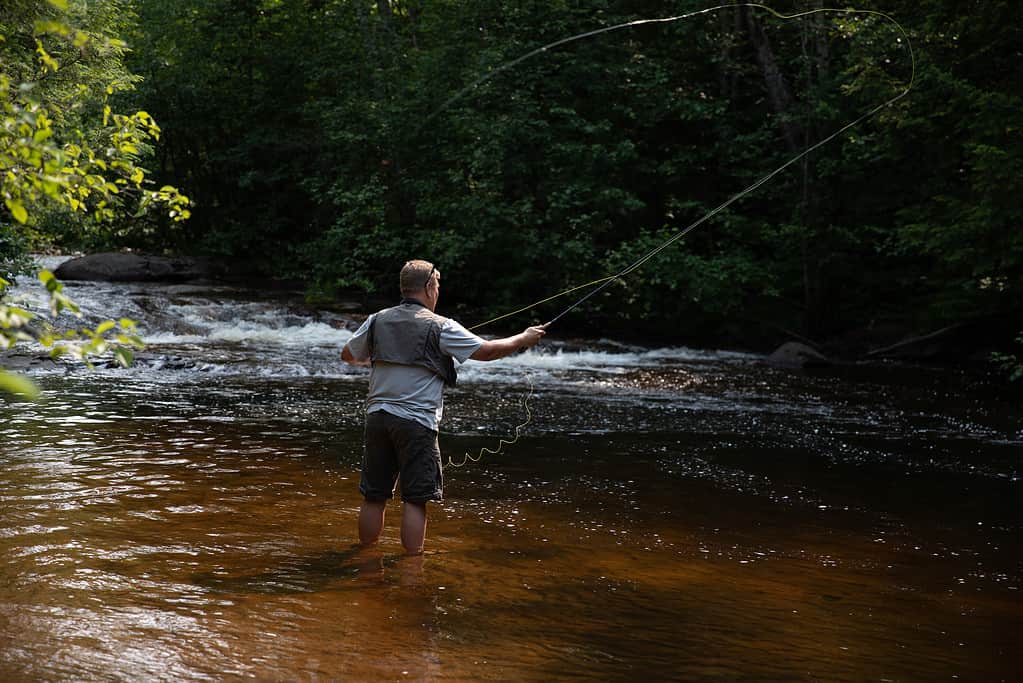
[325,142]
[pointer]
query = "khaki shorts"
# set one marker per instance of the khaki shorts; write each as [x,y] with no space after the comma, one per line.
[397,447]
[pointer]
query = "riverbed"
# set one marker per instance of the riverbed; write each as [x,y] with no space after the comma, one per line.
[663,514]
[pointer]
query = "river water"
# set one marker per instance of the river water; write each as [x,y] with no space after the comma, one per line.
[666,514]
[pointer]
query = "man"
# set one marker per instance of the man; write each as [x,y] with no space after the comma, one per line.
[412,352]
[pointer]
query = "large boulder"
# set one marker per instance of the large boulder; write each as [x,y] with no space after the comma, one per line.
[796,355]
[128,267]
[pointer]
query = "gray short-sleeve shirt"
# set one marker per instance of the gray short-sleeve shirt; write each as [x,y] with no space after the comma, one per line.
[411,391]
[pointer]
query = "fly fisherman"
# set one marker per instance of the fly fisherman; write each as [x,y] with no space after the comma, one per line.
[412,352]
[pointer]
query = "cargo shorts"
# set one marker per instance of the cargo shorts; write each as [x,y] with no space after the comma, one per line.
[398,447]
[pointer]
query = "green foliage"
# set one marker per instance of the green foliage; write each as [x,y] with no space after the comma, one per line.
[14,260]
[17,324]
[65,152]
[332,141]
[1011,363]
[47,157]
[956,231]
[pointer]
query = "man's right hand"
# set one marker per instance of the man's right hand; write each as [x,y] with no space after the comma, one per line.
[532,335]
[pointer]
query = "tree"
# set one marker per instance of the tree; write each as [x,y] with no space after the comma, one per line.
[63,147]
[331,140]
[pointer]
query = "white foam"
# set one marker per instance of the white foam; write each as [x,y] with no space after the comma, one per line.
[602,361]
[241,323]
[315,334]
[270,338]
[158,338]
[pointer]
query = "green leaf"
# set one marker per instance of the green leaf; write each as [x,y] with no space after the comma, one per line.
[59,4]
[17,210]
[18,385]
[124,356]
[105,326]
[50,280]
[54,27]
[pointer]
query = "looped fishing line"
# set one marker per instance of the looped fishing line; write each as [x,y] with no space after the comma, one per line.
[467,458]
[601,283]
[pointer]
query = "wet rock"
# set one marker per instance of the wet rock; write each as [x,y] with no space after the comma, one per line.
[21,362]
[129,267]
[796,355]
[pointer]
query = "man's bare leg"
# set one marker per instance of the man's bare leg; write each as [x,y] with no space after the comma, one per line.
[413,527]
[371,521]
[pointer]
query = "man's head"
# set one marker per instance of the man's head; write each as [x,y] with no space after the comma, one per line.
[420,280]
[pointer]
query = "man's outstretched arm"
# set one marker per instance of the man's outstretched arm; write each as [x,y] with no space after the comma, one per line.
[493,349]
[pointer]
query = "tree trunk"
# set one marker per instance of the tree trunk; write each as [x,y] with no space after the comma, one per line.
[812,276]
[383,46]
[730,24]
[798,137]
[778,91]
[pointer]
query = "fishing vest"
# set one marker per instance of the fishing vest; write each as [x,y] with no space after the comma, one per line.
[409,334]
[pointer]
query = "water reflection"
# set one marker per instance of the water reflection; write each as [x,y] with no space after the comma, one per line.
[669,514]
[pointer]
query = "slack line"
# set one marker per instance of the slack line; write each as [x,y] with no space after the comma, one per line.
[601,283]
[598,285]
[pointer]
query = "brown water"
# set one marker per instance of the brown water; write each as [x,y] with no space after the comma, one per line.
[677,517]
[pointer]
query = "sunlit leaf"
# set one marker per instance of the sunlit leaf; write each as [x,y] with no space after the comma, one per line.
[124,356]
[50,280]
[18,385]
[45,57]
[17,210]
[54,27]
[131,340]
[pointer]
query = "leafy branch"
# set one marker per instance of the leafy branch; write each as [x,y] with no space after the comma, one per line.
[47,160]
[18,324]
[1010,363]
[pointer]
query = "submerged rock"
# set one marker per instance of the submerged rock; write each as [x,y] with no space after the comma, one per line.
[128,267]
[796,355]
[15,361]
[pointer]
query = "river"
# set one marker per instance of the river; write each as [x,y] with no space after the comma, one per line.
[666,514]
